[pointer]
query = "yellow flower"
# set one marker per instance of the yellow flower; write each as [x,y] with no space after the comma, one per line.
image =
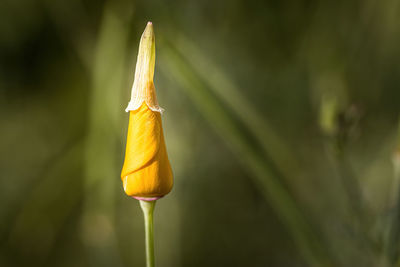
[146,173]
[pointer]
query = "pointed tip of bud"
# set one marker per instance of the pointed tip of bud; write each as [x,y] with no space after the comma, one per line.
[146,56]
[148,31]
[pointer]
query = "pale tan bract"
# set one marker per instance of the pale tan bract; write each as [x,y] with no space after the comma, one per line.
[143,87]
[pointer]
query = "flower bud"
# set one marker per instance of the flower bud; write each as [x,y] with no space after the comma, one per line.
[146,173]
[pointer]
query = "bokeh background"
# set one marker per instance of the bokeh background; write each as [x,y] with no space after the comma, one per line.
[281,122]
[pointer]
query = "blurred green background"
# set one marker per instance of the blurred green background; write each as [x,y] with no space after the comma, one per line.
[281,125]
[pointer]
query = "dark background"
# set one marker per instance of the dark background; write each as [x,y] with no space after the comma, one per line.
[281,125]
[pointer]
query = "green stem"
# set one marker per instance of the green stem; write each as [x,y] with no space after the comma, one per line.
[148,208]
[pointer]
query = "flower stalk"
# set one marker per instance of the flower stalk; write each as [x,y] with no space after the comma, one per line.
[148,208]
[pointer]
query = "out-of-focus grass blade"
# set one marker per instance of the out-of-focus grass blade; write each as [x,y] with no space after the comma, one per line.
[105,106]
[275,192]
[223,86]
[392,235]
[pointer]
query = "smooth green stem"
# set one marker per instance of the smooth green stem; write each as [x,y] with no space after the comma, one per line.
[148,208]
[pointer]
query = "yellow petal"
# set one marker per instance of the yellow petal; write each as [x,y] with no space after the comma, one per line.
[146,171]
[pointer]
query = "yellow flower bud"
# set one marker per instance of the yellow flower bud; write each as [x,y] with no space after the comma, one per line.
[146,173]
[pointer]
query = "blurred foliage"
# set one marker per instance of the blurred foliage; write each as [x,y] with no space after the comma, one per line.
[282,124]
